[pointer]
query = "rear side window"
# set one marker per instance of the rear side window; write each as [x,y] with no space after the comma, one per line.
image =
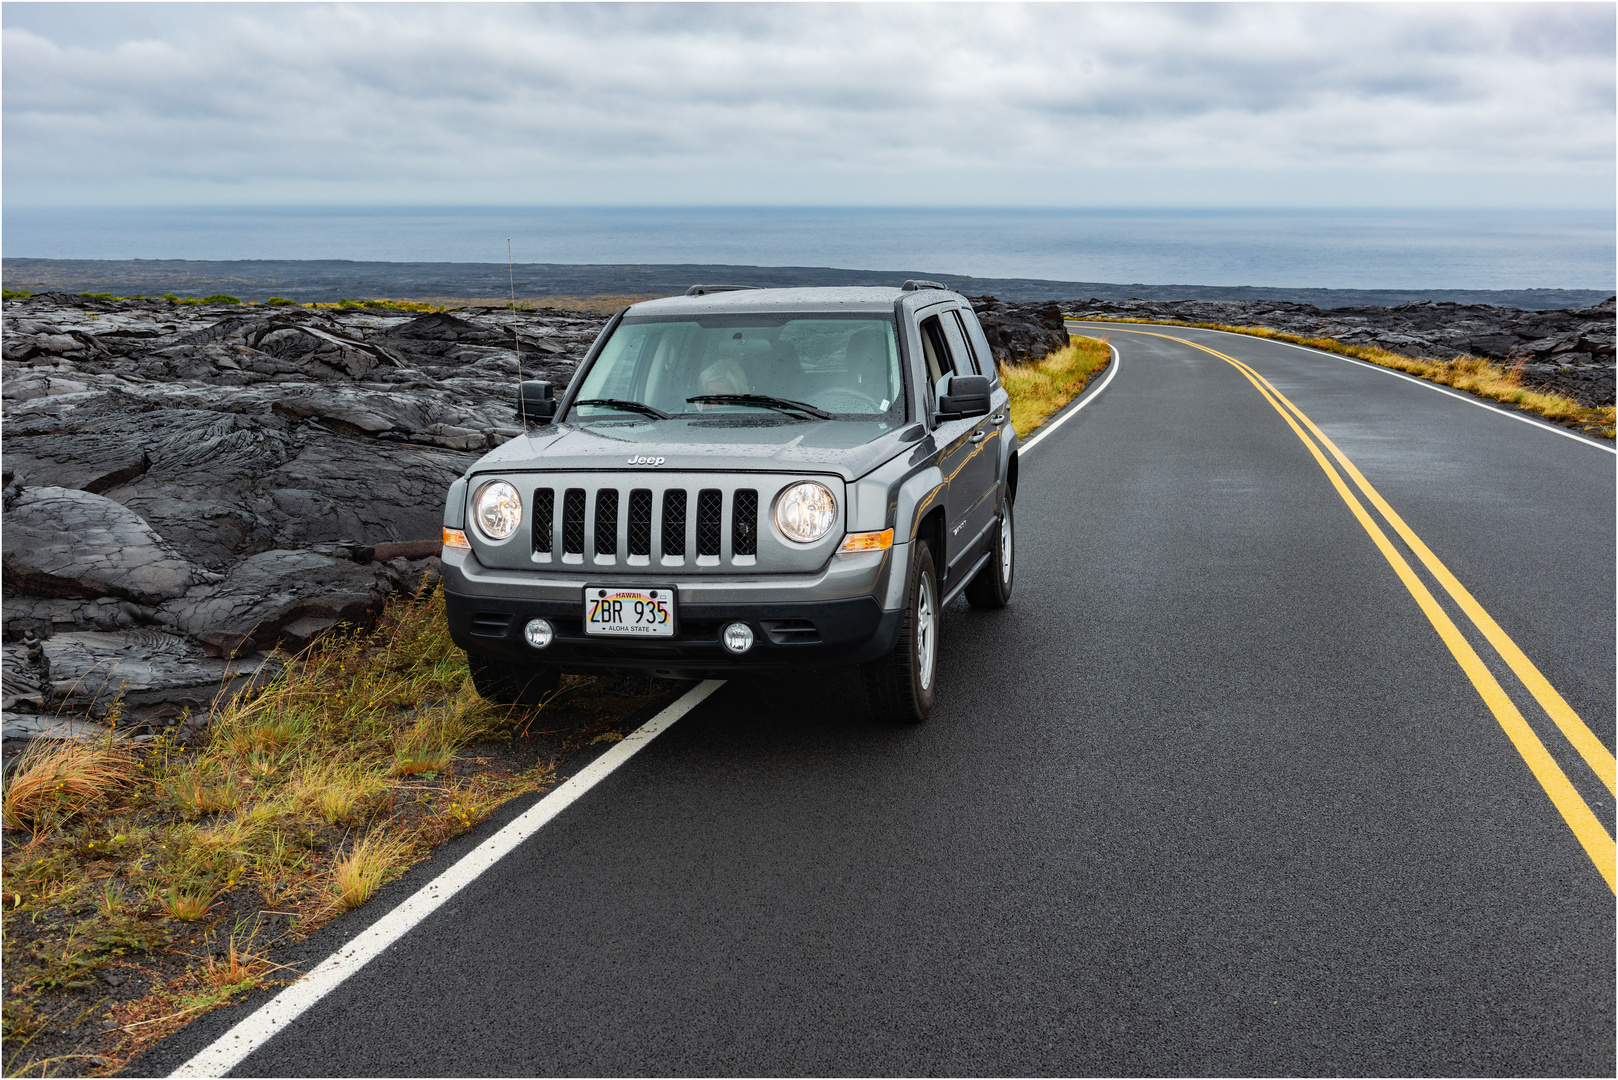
[969,349]
[965,362]
[972,331]
[935,348]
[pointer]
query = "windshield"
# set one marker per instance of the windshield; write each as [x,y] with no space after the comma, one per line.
[847,368]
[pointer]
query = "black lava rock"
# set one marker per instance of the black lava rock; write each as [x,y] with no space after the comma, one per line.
[1019,333]
[189,485]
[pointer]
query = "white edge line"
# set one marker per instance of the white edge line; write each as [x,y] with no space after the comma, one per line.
[1046,429]
[227,1051]
[1457,395]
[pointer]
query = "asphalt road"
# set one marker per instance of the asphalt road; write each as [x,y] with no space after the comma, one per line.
[1212,796]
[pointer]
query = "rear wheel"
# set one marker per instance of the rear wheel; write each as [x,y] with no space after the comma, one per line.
[899,686]
[502,683]
[992,587]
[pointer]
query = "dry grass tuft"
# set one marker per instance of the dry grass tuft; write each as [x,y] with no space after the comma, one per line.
[56,780]
[429,745]
[367,866]
[338,792]
[235,969]
[1040,388]
[268,735]
[422,760]
[197,795]
[188,904]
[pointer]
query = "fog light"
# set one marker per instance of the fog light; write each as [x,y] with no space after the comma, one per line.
[539,633]
[738,637]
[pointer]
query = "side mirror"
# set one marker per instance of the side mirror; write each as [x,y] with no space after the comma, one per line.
[536,400]
[963,396]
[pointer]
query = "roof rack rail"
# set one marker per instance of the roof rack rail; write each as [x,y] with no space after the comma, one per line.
[916,283]
[704,290]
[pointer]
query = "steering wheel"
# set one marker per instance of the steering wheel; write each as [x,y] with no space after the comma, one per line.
[843,399]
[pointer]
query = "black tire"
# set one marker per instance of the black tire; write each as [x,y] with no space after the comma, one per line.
[899,687]
[992,587]
[501,683]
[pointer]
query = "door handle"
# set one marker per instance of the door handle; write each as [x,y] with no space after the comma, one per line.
[998,419]
[978,436]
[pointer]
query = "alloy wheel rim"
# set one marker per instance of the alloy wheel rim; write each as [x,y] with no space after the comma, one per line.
[1005,547]
[924,631]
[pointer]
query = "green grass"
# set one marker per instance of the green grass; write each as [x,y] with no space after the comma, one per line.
[386,305]
[216,298]
[1472,374]
[14,294]
[1041,387]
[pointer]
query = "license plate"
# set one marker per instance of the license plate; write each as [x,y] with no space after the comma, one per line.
[629,612]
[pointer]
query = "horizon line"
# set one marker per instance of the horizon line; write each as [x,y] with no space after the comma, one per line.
[192,207]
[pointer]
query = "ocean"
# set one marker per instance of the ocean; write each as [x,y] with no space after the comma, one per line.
[1320,249]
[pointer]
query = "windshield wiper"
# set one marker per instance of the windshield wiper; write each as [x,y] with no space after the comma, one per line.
[619,403]
[759,399]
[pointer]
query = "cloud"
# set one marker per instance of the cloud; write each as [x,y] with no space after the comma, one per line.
[841,104]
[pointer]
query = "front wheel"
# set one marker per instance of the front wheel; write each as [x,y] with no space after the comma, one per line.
[899,686]
[992,587]
[501,683]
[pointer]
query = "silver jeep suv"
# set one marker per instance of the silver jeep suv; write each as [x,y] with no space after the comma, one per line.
[743,480]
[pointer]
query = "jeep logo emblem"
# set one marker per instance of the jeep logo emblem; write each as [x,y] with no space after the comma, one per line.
[642,460]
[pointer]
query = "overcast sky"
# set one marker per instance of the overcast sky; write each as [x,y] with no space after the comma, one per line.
[1045,105]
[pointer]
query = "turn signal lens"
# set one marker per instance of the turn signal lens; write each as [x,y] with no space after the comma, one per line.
[455,538]
[879,541]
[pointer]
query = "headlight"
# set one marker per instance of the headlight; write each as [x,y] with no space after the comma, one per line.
[497,509]
[805,512]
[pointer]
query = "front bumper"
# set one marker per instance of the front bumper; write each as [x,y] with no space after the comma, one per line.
[834,618]
[787,636]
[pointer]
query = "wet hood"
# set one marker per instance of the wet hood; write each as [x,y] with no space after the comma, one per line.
[846,448]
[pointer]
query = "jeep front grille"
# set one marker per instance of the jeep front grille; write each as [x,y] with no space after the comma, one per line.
[615,524]
[640,522]
[710,520]
[573,522]
[544,513]
[674,522]
[667,522]
[744,522]
[607,521]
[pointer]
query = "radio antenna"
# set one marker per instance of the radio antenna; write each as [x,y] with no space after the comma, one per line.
[511,280]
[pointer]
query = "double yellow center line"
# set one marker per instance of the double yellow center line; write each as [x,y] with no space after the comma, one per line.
[1591,834]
